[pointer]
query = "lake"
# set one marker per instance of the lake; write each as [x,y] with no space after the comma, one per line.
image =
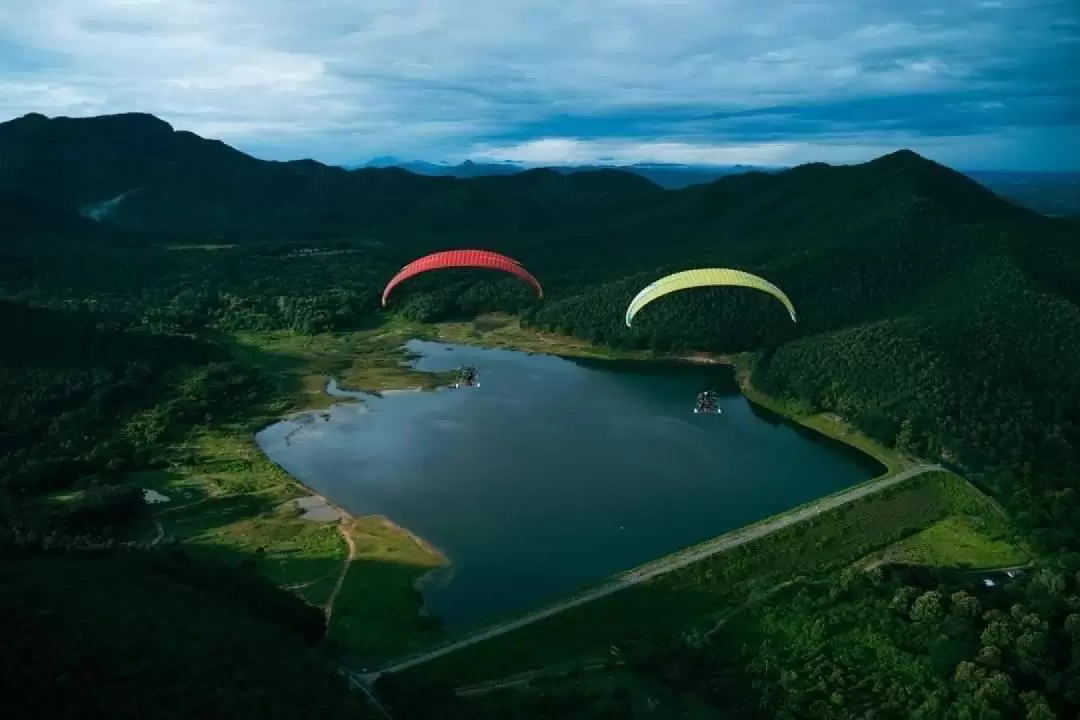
[554,472]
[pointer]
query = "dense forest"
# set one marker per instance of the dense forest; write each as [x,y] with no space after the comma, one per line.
[895,642]
[96,625]
[97,631]
[935,316]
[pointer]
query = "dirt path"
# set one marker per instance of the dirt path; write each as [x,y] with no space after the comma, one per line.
[357,684]
[666,565]
[159,534]
[526,677]
[214,493]
[723,620]
[343,528]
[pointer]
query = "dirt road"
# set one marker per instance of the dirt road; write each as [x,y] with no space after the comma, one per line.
[346,533]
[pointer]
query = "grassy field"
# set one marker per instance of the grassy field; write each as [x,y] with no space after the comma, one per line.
[958,541]
[378,615]
[698,595]
[504,331]
[228,500]
[371,360]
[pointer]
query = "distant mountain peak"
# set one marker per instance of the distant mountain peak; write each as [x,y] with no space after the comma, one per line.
[128,120]
[539,172]
[383,161]
[26,122]
[908,171]
[902,158]
[914,165]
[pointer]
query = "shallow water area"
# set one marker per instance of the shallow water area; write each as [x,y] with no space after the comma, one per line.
[555,472]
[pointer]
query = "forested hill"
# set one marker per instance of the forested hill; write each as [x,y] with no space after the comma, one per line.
[152,177]
[934,315]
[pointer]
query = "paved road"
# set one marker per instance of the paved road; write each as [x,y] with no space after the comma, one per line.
[357,682]
[666,565]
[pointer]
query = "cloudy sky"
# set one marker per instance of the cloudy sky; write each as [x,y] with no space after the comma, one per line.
[974,84]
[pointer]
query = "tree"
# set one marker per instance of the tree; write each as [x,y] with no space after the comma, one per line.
[927,607]
[906,437]
[901,601]
[1072,626]
[964,605]
[990,656]
[1036,707]
[997,633]
[966,673]
[995,686]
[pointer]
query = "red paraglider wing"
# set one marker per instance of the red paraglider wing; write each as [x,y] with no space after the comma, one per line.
[462,258]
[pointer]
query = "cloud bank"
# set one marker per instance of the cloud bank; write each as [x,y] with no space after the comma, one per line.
[988,84]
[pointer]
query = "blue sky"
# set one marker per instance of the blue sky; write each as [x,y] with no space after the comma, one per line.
[988,84]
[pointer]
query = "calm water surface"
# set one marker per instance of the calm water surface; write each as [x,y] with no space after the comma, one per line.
[555,473]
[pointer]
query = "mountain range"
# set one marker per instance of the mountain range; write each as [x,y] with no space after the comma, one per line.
[667,175]
[142,174]
[1051,193]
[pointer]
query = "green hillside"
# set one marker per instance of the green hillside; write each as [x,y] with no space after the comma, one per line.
[131,635]
[934,316]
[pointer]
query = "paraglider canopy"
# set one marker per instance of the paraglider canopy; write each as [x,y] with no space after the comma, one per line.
[704,277]
[459,259]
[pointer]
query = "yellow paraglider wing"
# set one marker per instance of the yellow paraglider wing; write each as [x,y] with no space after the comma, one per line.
[704,277]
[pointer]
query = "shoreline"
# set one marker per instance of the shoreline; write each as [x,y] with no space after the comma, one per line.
[349,397]
[332,389]
[570,347]
[345,519]
[420,542]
